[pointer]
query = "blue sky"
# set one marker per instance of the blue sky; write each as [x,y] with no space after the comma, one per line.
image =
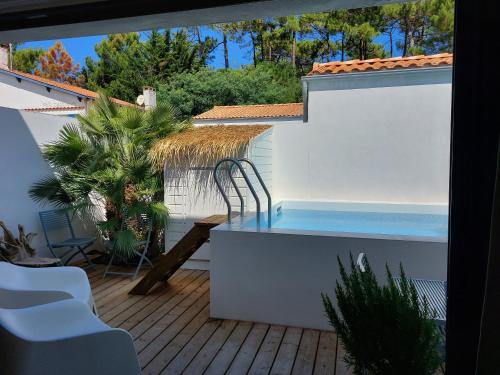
[80,48]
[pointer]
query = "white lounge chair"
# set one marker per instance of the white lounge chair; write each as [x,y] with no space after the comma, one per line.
[23,287]
[63,337]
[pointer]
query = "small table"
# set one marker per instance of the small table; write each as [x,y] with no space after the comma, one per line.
[36,262]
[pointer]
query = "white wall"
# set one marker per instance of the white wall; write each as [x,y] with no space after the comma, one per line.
[371,137]
[21,164]
[192,194]
[25,94]
[381,136]
[278,278]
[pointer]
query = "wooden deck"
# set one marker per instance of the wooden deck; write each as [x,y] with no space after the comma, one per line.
[174,334]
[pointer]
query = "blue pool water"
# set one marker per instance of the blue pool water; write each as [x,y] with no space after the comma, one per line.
[385,223]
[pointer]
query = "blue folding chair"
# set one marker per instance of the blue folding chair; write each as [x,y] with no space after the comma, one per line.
[142,225]
[58,221]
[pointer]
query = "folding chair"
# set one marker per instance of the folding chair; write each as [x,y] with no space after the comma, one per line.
[141,224]
[57,221]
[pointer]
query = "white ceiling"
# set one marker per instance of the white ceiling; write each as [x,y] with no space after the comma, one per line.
[238,12]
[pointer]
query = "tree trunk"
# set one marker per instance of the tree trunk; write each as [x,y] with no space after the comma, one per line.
[254,47]
[226,52]
[342,47]
[262,50]
[294,47]
[390,41]
[405,43]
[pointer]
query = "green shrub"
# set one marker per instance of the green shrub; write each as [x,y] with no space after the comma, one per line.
[384,329]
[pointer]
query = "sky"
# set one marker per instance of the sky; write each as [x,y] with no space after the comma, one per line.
[80,48]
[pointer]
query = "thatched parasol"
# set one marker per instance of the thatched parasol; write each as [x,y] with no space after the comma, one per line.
[204,145]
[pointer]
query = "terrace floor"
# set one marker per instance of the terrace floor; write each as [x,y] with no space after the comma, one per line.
[173,332]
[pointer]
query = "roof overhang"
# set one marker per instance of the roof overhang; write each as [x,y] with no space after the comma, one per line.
[29,20]
[20,78]
[382,72]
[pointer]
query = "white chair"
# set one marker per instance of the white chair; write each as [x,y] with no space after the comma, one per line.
[23,287]
[63,337]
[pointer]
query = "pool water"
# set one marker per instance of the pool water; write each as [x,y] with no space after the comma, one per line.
[385,223]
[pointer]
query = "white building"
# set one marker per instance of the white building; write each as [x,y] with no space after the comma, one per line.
[372,131]
[20,90]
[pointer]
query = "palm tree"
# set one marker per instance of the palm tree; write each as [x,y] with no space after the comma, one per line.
[103,163]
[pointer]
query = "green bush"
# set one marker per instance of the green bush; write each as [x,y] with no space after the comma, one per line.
[384,329]
[197,92]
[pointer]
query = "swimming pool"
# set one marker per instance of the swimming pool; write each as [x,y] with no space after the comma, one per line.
[275,275]
[362,219]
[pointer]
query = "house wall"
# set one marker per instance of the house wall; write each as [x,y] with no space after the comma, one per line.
[380,136]
[25,94]
[192,194]
[373,137]
[21,164]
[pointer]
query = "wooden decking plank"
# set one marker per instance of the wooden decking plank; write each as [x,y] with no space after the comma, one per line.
[245,356]
[325,357]
[212,221]
[109,290]
[155,322]
[206,354]
[306,355]
[135,305]
[180,336]
[226,354]
[178,364]
[341,367]
[267,352]
[173,333]
[103,284]
[174,324]
[119,291]
[287,352]
[147,305]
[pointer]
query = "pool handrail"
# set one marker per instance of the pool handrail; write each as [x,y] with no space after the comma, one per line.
[233,162]
[264,187]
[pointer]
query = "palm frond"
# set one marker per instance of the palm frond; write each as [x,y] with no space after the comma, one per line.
[48,190]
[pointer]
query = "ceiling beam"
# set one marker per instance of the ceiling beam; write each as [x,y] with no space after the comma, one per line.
[91,17]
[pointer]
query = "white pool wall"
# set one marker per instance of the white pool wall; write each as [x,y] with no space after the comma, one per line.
[276,275]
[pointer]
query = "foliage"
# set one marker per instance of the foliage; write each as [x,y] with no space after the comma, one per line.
[194,93]
[385,330]
[27,59]
[424,26]
[57,64]
[103,163]
[126,63]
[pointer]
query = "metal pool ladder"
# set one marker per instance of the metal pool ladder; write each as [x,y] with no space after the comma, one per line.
[237,163]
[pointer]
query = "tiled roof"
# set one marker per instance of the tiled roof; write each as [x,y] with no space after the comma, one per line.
[64,86]
[252,111]
[54,109]
[420,61]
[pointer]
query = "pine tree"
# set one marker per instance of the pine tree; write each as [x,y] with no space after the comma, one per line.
[57,64]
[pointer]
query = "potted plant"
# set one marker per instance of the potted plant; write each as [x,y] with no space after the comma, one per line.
[385,329]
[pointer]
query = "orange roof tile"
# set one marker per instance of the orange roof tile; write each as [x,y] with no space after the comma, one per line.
[252,111]
[75,89]
[420,61]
